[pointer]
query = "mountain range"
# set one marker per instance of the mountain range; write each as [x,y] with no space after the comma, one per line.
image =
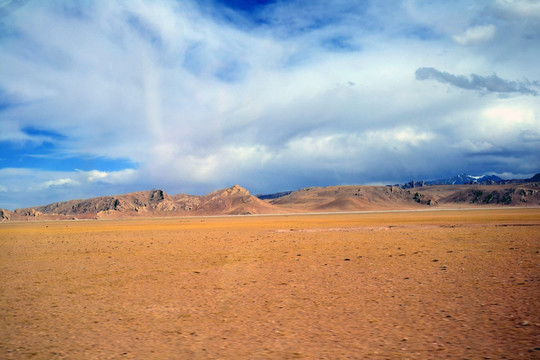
[238,201]
[463,179]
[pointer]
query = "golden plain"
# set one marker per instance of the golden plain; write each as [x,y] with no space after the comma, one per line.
[407,284]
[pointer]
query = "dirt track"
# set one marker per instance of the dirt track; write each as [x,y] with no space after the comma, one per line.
[381,285]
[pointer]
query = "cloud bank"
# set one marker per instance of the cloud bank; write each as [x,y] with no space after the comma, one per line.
[100,98]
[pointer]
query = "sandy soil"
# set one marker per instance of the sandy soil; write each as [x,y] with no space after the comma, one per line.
[420,285]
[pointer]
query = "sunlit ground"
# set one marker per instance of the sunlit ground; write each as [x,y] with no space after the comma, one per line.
[457,284]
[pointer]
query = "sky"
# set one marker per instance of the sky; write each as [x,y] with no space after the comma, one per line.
[108,97]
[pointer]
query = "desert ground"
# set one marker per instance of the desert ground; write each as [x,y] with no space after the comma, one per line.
[419,285]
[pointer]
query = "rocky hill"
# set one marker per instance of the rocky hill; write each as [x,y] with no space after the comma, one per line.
[352,198]
[238,201]
[231,201]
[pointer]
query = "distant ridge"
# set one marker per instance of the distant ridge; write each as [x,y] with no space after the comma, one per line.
[238,201]
[463,179]
[534,178]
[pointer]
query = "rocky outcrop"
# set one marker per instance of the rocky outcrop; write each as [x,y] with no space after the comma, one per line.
[5,215]
[229,201]
[413,184]
[30,212]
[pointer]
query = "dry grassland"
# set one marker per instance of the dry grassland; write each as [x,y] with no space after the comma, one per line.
[423,285]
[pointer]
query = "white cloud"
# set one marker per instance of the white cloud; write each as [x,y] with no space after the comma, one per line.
[96,175]
[32,187]
[506,117]
[412,137]
[504,123]
[59,183]
[338,151]
[474,147]
[476,34]
[110,177]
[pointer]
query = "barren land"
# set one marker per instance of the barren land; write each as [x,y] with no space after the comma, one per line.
[421,285]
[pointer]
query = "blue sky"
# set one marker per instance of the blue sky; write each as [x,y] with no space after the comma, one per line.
[107,97]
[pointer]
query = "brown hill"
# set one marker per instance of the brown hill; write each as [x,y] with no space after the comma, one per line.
[346,198]
[132,204]
[358,198]
[232,201]
[238,201]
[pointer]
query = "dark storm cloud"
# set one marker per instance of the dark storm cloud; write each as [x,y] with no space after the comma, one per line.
[491,83]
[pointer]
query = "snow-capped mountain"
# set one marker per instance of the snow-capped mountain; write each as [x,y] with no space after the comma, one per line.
[465,179]
[456,180]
